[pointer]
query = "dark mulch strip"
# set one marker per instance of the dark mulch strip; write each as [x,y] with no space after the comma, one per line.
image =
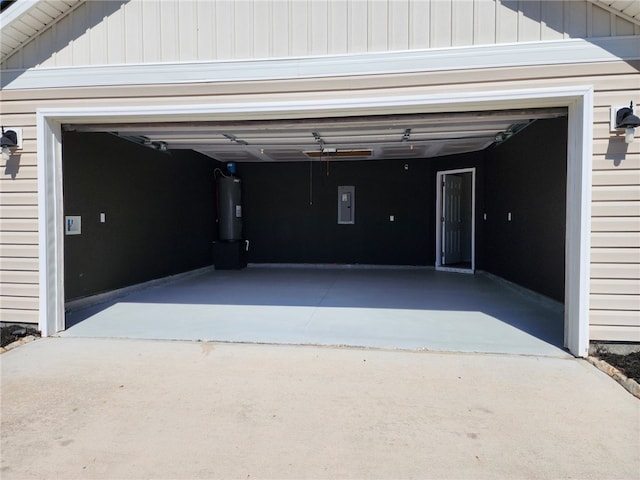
[11,333]
[627,364]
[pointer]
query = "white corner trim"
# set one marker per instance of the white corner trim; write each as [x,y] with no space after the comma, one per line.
[553,52]
[578,240]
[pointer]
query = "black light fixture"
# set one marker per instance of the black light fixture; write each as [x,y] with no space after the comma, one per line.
[9,143]
[627,120]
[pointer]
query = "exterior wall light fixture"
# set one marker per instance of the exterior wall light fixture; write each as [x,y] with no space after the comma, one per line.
[627,120]
[11,141]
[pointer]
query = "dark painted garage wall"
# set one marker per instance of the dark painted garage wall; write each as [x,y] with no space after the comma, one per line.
[160,212]
[527,177]
[284,227]
[291,212]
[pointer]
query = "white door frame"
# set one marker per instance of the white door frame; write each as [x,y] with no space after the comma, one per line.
[439,179]
[578,99]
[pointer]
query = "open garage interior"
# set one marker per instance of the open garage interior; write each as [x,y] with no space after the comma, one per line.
[146,201]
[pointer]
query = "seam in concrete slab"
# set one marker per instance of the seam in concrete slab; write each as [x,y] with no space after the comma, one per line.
[337,346]
[628,383]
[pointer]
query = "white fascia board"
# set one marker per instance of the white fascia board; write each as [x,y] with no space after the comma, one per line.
[15,11]
[555,52]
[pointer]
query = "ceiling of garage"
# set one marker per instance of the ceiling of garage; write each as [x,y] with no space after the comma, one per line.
[349,138]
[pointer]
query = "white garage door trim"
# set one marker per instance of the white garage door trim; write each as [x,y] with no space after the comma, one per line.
[578,100]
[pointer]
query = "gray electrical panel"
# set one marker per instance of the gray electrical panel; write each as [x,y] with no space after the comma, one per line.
[346,204]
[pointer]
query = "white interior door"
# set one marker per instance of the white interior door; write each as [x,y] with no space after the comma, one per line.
[452,220]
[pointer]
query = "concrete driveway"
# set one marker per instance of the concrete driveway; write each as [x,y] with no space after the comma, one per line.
[128,409]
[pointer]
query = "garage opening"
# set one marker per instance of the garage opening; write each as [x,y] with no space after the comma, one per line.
[149,209]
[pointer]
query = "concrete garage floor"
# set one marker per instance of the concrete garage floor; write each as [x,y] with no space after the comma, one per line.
[380,307]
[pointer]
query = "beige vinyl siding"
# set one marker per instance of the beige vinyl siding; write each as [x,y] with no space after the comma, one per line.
[19,232]
[615,241]
[615,253]
[140,31]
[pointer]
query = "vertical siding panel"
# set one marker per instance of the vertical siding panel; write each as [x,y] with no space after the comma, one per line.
[399,25]
[63,44]
[319,26]
[506,21]
[133,33]
[223,35]
[106,32]
[28,55]
[462,22]
[377,33]
[261,25]
[15,60]
[280,29]
[484,22]
[600,22]
[169,46]
[338,27]
[116,36]
[529,21]
[205,24]
[81,35]
[440,23]
[575,19]
[98,40]
[43,48]
[187,31]
[243,22]
[552,20]
[151,31]
[589,19]
[358,21]
[299,28]
[419,23]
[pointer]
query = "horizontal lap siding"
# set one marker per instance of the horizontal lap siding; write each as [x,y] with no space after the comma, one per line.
[19,233]
[615,252]
[615,242]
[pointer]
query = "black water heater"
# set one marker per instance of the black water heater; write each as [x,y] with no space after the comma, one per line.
[230,202]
